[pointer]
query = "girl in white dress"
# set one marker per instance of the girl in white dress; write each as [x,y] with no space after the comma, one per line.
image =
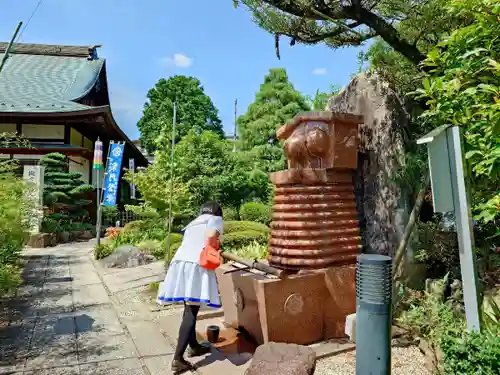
[191,284]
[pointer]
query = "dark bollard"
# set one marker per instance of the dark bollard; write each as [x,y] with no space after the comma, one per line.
[373,314]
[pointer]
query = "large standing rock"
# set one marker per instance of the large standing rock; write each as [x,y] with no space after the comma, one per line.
[282,359]
[384,207]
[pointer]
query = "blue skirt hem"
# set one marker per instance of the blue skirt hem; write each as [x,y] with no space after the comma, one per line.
[186,299]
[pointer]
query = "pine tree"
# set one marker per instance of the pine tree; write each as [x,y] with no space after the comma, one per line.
[276,103]
[64,191]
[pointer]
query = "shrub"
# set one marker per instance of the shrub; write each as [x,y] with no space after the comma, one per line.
[173,248]
[109,215]
[15,215]
[135,226]
[438,251]
[51,225]
[254,250]
[102,251]
[472,353]
[230,213]
[430,318]
[64,192]
[10,278]
[138,231]
[175,241]
[237,240]
[256,211]
[152,247]
[175,238]
[239,226]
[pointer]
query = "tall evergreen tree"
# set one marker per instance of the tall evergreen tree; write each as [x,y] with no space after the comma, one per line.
[195,110]
[276,103]
[64,191]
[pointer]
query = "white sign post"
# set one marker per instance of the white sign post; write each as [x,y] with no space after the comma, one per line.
[34,175]
[449,193]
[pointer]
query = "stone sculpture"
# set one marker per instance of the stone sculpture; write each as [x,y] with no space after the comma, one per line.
[315,238]
[315,217]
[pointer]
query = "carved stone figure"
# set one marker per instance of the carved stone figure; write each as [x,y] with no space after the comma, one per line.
[314,215]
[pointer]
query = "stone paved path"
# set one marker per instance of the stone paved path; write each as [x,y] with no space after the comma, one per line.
[74,317]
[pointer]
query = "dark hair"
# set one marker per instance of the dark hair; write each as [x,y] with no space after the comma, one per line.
[211,208]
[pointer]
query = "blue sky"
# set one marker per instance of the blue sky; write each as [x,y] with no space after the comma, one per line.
[146,40]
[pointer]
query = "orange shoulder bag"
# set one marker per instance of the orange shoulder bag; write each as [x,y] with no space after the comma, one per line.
[210,256]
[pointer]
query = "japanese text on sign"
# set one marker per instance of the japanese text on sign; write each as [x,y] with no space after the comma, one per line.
[113,174]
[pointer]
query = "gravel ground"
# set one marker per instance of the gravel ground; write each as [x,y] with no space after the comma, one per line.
[405,361]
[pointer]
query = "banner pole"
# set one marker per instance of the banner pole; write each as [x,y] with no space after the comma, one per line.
[99,200]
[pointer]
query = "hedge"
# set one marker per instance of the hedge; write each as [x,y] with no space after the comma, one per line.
[255,211]
[230,213]
[239,226]
[236,240]
[175,243]
[136,225]
[173,248]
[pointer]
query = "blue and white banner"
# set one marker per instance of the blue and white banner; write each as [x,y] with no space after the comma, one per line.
[113,169]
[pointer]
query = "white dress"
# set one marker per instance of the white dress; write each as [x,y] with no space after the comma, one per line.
[186,281]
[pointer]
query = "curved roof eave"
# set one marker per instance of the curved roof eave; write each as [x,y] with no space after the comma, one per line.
[85,81]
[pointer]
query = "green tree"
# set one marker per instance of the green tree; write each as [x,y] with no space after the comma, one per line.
[463,89]
[64,192]
[276,103]
[195,110]
[320,99]
[204,168]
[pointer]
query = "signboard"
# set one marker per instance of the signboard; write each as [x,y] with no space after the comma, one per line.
[440,173]
[131,167]
[34,175]
[112,176]
[450,193]
[439,168]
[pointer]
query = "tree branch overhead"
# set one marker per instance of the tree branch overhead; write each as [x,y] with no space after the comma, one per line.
[336,23]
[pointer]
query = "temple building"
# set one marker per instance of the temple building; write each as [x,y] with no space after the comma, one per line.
[57,98]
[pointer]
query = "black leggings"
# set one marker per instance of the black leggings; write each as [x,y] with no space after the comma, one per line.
[187,331]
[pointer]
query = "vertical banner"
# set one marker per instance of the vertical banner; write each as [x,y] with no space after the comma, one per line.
[97,165]
[112,176]
[131,167]
[98,150]
[34,175]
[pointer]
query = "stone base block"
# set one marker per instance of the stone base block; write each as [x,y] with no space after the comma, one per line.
[302,309]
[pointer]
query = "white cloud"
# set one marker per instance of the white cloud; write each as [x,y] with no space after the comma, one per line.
[178,59]
[319,71]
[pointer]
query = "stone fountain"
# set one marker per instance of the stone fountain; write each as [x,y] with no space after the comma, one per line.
[315,239]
